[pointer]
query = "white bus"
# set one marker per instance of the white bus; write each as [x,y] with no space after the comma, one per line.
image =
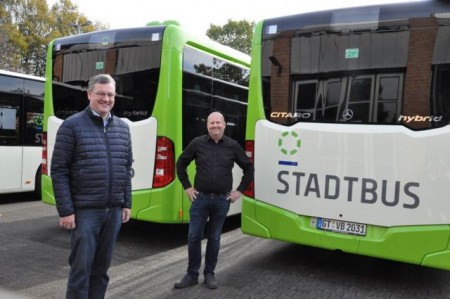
[21,114]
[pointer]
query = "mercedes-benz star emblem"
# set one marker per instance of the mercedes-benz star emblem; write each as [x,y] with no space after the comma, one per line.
[347,114]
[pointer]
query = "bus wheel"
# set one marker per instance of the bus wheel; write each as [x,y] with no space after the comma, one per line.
[37,185]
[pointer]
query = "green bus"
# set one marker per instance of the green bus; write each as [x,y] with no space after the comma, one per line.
[348,128]
[167,82]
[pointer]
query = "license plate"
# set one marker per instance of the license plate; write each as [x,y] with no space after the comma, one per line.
[343,227]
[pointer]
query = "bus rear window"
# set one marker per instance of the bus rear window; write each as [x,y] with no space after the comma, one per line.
[134,65]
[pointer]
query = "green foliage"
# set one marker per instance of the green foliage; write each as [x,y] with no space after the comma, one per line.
[28,26]
[235,34]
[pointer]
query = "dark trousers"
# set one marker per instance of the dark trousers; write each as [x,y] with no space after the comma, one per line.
[92,243]
[215,208]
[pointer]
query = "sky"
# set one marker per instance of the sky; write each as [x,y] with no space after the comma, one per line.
[197,15]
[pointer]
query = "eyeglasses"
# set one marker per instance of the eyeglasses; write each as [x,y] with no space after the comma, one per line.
[101,95]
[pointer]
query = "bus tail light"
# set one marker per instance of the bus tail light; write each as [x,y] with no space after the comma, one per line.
[250,151]
[164,162]
[44,165]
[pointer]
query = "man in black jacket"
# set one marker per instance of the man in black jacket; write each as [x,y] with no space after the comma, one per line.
[91,175]
[214,155]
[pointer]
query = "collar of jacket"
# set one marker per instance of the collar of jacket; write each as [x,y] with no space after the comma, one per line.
[96,117]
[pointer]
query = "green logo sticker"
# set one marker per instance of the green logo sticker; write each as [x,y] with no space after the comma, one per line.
[38,119]
[289,143]
[352,53]
[99,65]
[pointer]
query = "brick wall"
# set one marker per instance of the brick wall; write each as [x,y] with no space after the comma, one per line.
[279,93]
[418,75]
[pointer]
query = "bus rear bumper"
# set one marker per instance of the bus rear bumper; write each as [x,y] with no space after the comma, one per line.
[47,190]
[426,245]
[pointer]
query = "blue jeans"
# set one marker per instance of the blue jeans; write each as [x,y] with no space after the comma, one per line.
[214,207]
[92,243]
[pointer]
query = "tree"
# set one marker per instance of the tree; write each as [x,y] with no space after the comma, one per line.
[28,26]
[10,57]
[235,34]
[68,20]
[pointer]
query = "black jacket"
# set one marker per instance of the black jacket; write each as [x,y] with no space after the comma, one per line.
[214,164]
[91,164]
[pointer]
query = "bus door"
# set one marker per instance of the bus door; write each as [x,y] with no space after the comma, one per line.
[10,148]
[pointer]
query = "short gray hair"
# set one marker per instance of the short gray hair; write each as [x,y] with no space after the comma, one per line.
[101,79]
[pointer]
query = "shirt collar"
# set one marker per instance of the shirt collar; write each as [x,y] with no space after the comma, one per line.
[105,120]
[95,113]
[220,140]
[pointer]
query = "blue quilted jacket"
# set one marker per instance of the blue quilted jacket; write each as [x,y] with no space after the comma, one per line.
[91,164]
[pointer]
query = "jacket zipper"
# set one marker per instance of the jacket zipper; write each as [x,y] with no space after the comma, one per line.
[110,170]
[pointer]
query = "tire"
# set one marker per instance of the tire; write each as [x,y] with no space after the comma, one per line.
[37,193]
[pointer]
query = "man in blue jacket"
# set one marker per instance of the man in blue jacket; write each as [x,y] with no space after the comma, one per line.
[91,175]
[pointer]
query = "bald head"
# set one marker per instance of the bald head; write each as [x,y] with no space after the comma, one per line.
[215,124]
[215,115]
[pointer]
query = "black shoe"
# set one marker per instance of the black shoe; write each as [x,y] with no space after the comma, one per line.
[187,281]
[210,281]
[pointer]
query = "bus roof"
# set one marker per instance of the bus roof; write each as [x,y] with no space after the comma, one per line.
[150,33]
[372,13]
[20,75]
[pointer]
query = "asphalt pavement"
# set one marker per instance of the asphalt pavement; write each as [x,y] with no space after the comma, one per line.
[149,258]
